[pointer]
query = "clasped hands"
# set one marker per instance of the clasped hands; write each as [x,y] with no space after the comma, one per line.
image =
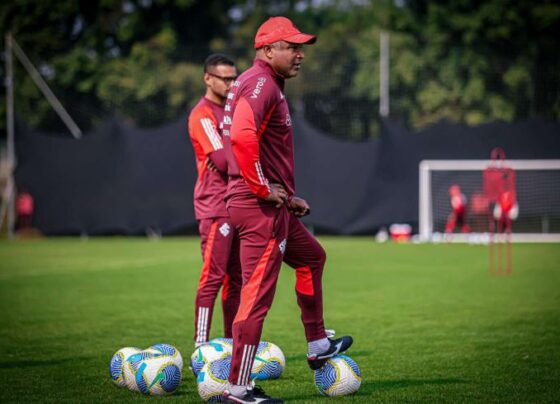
[278,195]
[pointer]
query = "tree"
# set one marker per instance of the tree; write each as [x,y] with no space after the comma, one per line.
[467,61]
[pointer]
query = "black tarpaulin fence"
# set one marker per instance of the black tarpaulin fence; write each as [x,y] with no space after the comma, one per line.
[123,180]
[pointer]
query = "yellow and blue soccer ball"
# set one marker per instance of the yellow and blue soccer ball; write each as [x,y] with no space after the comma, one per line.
[227,343]
[169,350]
[212,379]
[132,364]
[340,376]
[269,362]
[157,376]
[117,362]
[206,353]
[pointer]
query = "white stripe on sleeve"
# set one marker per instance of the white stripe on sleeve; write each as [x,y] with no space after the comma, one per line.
[260,173]
[210,131]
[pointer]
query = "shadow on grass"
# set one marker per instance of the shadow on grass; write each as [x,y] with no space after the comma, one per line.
[370,387]
[37,363]
[403,383]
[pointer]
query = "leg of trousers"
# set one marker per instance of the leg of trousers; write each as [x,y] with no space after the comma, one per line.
[231,288]
[262,239]
[307,257]
[218,240]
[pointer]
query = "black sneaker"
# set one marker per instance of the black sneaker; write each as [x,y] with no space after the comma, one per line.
[252,395]
[337,346]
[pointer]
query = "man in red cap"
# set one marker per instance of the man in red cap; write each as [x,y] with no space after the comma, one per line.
[219,241]
[261,201]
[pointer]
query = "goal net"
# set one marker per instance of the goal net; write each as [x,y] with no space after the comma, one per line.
[538,198]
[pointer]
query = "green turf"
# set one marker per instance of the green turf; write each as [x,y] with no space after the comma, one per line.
[430,324]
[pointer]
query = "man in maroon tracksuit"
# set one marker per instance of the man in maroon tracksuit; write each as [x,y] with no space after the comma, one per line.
[219,241]
[262,205]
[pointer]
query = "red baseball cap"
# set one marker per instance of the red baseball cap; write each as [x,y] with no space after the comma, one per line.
[280,29]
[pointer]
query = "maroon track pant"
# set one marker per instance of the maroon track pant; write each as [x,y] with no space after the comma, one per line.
[221,266]
[268,236]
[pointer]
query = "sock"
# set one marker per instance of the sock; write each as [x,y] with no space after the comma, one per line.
[318,346]
[197,344]
[237,391]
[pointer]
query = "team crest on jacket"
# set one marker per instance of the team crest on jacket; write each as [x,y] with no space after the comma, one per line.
[288,120]
[282,246]
[224,229]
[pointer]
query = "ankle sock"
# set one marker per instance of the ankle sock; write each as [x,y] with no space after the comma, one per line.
[318,346]
[237,391]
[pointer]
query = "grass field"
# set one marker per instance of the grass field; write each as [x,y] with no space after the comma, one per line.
[429,323]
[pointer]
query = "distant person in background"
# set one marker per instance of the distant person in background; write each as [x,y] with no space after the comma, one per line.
[458,215]
[219,242]
[24,210]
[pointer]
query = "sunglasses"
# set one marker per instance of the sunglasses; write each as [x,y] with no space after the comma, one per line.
[226,80]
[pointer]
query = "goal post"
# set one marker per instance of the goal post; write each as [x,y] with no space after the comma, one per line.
[538,193]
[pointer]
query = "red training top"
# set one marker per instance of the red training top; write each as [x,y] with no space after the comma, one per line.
[258,137]
[210,186]
[459,203]
[24,204]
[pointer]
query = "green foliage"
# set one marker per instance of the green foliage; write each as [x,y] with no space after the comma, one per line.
[146,85]
[466,61]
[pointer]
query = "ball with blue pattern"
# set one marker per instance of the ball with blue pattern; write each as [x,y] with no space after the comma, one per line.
[227,343]
[157,376]
[169,350]
[212,379]
[339,376]
[269,362]
[117,362]
[206,353]
[132,364]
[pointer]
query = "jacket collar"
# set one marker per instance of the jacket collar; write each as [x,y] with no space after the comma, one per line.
[268,68]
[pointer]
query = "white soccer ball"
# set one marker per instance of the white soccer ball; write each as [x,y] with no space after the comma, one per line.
[269,362]
[212,379]
[132,364]
[340,376]
[207,353]
[157,376]
[116,364]
[227,343]
[170,350]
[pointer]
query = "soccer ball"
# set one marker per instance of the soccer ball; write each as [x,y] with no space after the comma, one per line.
[207,353]
[170,350]
[340,376]
[116,364]
[132,364]
[227,343]
[212,379]
[269,362]
[157,375]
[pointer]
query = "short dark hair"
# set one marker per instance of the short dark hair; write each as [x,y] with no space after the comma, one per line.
[217,59]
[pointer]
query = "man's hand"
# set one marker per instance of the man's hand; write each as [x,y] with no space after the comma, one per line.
[278,195]
[210,164]
[299,207]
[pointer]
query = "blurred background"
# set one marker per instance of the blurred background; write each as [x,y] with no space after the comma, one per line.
[388,84]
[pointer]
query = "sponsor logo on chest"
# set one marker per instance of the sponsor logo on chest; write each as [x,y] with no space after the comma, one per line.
[258,88]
